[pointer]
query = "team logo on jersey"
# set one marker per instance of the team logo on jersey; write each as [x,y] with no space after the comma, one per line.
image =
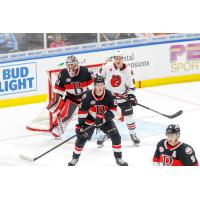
[115,81]
[188,150]
[92,102]
[161,149]
[167,160]
[68,80]
[100,109]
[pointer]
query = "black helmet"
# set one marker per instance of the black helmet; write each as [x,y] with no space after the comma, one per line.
[173,128]
[99,79]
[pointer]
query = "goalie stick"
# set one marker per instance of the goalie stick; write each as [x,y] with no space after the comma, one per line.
[24,157]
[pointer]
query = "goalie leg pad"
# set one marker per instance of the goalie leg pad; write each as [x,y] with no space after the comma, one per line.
[56,104]
[65,116]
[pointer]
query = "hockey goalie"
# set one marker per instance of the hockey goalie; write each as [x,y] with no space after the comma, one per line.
[71,84]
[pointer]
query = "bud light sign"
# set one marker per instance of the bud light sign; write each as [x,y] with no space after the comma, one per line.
[18,78]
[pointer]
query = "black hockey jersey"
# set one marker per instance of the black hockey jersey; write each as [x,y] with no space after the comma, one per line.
[74,86]
[93,105]
[180,155]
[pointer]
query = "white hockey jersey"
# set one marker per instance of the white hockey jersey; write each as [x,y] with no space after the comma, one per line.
[119,81]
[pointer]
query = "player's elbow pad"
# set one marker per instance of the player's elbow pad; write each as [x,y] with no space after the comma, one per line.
[109,116]
[56,104]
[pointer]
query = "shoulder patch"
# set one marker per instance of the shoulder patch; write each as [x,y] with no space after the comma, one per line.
[92,102]
[188,150]
[161,149]
[68,80]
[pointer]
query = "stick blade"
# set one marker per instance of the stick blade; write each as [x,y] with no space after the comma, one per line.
[176,114]
[23,157]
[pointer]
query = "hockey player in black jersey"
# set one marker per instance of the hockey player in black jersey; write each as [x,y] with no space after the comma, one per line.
[98,108]
[172,152]
[72,83]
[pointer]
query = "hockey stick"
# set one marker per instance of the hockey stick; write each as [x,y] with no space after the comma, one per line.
[23,157]
[168,116]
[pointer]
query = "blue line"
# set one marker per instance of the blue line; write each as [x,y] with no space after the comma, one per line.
[101,49]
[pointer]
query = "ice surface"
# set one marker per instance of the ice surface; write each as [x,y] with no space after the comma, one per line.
[16,140]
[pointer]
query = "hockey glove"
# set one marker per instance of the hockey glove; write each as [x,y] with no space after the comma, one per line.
[109,116]
[99,119]
[132,98]
[79,133]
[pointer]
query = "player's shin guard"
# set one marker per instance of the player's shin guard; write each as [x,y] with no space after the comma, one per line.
[79,145]
[132,128]
[76,155]
[118,155]
[77,152]
[117,150]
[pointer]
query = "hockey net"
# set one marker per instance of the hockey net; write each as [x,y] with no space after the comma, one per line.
[44,120]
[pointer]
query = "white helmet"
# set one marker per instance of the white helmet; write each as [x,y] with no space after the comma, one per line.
[71,60]
[119,53]
[72,70]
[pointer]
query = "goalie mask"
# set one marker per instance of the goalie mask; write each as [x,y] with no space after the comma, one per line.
[72,65]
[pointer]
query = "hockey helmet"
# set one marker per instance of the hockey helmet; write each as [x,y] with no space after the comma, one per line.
[71,60]
[99,79]
[119,53]
[173,129]
[72,65]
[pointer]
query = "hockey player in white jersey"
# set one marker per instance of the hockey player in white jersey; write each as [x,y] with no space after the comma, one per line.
[119,80]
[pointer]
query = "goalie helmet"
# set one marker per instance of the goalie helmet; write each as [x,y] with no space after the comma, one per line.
[72,65]
[71,60]
[173,129]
